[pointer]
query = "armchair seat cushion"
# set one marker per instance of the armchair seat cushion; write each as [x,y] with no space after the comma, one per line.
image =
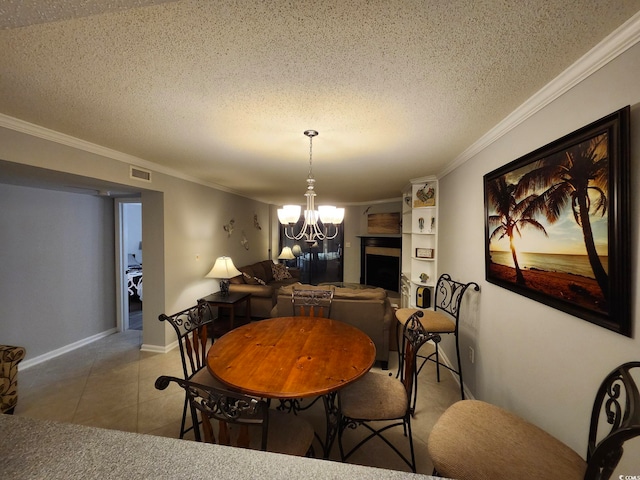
[475,439]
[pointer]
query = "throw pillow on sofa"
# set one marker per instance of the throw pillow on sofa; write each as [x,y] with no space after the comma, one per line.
[249,279]
[280,272]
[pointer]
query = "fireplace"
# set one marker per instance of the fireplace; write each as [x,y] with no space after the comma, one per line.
[380,259]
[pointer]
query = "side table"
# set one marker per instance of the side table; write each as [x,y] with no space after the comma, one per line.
[229,301]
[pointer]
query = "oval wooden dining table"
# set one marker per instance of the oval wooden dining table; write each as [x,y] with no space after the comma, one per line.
[293,358]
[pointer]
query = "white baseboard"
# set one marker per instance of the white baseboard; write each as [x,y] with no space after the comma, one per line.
[444,359]
[66,349]
[158,348]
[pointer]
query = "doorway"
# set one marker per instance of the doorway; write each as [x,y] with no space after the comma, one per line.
[130,261]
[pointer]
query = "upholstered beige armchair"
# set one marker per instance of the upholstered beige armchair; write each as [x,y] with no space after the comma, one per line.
[10,357]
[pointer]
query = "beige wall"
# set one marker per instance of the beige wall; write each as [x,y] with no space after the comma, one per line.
[544,364]
[182,227]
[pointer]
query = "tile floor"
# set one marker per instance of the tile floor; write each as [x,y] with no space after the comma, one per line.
[110,384]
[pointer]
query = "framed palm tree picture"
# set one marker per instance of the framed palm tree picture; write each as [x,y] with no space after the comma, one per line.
[557,224]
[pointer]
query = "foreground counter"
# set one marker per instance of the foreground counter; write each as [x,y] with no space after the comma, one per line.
[31,448]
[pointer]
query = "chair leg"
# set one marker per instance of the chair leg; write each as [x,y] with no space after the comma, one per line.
[459,369]
[184,418]
[437,363]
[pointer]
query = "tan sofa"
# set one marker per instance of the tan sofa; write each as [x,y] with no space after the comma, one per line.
[259,279]
[368,309]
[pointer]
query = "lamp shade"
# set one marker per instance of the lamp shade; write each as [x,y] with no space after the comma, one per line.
[223,268]
[286,254]
[296,250]
[289,214]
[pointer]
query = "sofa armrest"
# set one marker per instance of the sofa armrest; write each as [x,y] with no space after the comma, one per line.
[255,290]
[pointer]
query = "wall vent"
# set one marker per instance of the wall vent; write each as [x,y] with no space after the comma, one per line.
[139,174]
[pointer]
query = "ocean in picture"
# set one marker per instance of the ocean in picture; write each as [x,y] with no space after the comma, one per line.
[550,262]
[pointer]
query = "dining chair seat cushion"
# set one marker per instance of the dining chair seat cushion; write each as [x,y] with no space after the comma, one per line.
[286,434]
[203,377]
[374,397]
[432,321]
[476,440]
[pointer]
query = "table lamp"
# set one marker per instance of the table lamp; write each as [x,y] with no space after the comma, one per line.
[286,254]
[224,269]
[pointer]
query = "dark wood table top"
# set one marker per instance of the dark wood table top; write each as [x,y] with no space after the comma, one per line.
[291,357]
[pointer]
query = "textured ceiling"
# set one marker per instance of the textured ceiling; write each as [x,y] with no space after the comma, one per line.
[222,91]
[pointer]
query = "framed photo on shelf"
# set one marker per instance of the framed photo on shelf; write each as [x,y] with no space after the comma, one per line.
[424,252]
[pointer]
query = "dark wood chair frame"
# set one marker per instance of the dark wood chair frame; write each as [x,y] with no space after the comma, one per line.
[222,405]
[192,326]
[414,336]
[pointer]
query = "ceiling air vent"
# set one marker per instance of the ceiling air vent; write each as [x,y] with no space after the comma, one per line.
[139,174]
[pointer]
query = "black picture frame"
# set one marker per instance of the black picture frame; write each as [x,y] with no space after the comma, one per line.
[540,207]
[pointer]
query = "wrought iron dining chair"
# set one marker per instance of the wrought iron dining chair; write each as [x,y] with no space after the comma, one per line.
[192,326]
[474,439]
[258,426]
[443,319]
[312,302]
[378,399]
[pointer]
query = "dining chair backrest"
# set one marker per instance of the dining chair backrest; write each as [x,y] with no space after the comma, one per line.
[616,407]
[192,329]
[314,302]
[448,296]
[226,407]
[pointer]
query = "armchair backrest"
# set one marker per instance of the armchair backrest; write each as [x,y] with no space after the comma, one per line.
[225,407]
[191,326]
[449,294]
[617,404]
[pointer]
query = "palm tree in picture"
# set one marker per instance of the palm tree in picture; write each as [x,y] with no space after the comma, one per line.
[511,216]
[578,176]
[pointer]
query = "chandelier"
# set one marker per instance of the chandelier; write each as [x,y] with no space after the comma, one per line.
[327,215]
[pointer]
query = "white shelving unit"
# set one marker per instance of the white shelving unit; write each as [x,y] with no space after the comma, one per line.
[419,238]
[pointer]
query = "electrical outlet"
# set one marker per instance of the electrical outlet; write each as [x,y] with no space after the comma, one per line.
[472,355]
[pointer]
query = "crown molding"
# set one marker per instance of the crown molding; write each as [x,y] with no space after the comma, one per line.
[613,45]
[63,139]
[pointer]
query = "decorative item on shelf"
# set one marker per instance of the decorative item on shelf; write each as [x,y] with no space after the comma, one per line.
[432,226]
[325,214]
[407,200]
[424,278]
[421,224]
[224,269]
[423,297]
[384,223]
[426,197]
[424,252]
[229,227]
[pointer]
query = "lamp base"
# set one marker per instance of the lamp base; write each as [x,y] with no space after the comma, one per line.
[224,287]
